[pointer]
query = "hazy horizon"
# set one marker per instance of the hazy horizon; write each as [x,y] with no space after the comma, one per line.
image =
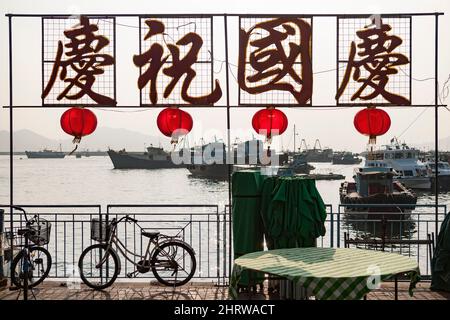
[332,127]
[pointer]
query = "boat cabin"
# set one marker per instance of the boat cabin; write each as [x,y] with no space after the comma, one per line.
[370,181]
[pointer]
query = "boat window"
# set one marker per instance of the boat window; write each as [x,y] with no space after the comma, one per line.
[408,173]
[409,155]
[399,155]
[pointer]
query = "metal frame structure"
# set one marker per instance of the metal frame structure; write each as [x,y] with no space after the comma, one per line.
[228,106]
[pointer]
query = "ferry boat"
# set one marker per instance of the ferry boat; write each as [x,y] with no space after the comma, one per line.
[376,186]
[409,170]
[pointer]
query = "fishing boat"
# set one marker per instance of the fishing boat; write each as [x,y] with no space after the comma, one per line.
[317,154]
[376,188]
[210,160]
[410,171]
[46,154]
[345,158]
[154,158]
[443,174]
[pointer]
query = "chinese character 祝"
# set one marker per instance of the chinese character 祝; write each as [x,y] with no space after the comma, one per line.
[179,67]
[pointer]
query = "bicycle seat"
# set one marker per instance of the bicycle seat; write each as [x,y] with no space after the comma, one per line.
[150,235]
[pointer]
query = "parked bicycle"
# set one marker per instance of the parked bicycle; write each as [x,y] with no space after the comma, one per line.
[171,260]
[33,262]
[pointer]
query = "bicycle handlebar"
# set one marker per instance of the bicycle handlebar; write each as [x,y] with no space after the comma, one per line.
[22,210]
[126,218]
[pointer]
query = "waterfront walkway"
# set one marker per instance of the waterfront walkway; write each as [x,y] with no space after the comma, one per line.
[53,290]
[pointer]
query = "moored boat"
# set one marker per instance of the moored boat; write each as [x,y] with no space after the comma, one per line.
[443,174]
[45,154]
[375,191]
[154,158]
[410,171]
[345,158]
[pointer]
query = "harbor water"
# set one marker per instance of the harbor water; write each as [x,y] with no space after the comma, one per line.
[93,181]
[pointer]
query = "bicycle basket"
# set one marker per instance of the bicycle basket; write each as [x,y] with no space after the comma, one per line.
[40,232]
[99,230]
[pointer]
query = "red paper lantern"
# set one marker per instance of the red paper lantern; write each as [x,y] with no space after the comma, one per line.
[174,122]
[372,122]
[269,122]
[78,122]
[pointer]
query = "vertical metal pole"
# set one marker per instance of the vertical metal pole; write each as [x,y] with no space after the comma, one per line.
[2,273]
[436,121]
[230,156]
[11,140]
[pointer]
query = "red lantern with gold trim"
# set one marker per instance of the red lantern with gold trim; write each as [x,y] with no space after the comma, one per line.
[372,122]
[269,122]
[174,122]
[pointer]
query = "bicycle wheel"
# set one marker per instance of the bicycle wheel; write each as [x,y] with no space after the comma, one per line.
[38,267]
[98,267]
[173,263]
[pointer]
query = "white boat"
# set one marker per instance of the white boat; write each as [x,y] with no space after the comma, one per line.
[410,171]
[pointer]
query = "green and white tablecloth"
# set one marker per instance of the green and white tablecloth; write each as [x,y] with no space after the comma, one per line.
[329,273]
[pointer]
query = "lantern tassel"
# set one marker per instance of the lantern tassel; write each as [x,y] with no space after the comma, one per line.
[76,147]
[372,139]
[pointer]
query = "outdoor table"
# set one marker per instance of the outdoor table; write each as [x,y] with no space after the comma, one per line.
[329,273]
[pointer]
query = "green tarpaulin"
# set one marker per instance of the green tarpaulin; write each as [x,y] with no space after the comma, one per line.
[440,264]
[287,211]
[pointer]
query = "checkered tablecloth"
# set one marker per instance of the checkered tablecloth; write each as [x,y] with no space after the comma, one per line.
[329,273]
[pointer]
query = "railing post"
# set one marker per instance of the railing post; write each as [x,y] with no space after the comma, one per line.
[331,227]
[3,280]
[338,227]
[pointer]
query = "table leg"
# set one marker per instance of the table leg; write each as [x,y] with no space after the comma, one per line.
[396,287]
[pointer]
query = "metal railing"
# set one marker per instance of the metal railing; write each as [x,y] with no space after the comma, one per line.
[206,228]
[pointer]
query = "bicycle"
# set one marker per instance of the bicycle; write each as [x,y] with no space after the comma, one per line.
[171,260]
[33,262]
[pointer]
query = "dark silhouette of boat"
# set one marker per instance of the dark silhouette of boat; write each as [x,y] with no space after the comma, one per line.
[154,158]
[46,154]
[317,154]
[345,158]
[214,165]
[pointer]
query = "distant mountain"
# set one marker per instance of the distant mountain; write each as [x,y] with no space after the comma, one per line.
[100,140]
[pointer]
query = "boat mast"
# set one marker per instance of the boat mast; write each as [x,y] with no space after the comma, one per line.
[294,138]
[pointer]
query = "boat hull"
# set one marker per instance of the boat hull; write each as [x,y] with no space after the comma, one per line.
[402,201]
[418,183]
[45,155]
[443,182]
[139,161]
[210,171]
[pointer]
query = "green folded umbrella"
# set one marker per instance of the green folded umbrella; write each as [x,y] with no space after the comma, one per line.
[440,264]
[248,229]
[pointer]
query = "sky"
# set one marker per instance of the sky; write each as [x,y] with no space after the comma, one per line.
[332,126]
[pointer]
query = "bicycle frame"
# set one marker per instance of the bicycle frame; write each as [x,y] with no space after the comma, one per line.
[120,247]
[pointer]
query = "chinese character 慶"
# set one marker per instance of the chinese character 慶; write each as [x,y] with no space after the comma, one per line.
[82,62]
[372,61]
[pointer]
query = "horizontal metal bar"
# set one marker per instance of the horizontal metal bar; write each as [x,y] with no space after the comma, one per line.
[162,205]
[291,106]
[200,15]
[53,206]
